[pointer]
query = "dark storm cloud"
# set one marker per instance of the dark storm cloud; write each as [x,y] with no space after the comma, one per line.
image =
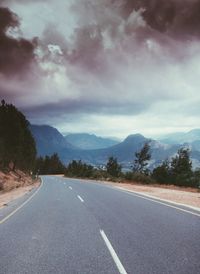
[104,57]
[16,55]
[68,107]
[175,17]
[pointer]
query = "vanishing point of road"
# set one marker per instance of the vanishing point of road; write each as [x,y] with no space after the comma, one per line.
[79,227]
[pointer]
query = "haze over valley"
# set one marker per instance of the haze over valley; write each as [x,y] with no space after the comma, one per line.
[96,150]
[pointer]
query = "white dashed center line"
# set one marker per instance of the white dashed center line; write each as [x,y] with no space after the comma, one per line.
[70,187]
[113,253]
[80,198]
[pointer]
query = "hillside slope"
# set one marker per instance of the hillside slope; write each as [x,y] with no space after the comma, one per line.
[49,140]
[89,141]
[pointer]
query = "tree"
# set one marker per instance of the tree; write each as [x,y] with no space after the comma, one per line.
[162,173]
[79,169]
[112,167]
[49,165]
[141,159]
[17,145]
[181,167]
[178,171]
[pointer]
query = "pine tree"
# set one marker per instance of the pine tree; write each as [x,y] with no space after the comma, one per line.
[181,167]
[17,145]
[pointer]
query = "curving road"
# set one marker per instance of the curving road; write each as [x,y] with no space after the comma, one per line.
[78,227]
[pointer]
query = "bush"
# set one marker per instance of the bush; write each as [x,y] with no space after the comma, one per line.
[139,177]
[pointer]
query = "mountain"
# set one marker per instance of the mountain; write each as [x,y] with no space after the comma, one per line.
[49,140]
[89,141]
[123,151]
[181,137]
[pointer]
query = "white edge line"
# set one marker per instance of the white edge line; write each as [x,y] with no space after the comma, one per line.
[80,198]
[157,198]
[151,198]
[22,205]
[113,253]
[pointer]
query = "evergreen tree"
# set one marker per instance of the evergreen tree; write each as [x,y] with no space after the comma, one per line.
[162,173]
[178,171]
[181,167]
[112,167]
[79,169]
[17,145]
[49,165]
[141,159]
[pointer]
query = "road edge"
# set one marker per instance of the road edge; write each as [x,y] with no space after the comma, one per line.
[22,205]
[157,198]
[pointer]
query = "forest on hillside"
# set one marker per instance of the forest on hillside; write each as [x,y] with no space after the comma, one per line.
[17,145]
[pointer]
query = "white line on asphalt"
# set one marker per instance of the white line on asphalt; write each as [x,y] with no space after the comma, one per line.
[162,203]
[80,198]
[157,198]
[22,205]
[70,187]
[113,253]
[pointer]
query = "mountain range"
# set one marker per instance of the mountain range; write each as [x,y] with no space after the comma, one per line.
[182,137]
[96,150]
[89,141]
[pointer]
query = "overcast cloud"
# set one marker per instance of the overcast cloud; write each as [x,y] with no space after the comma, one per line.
[105,67]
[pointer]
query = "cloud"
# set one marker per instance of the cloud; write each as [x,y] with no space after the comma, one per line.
[16,54]
[113,58]
[173,17]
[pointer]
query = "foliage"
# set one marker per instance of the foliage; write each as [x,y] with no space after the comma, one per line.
[113,168]
[178,171]
[49,165]
[17,145]
[139,177]
[162,173]
[79,169]
[141,159]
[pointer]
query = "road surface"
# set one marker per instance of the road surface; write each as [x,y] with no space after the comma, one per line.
[78,227]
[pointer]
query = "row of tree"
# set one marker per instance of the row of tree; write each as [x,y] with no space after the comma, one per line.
[178,171]
[49,165]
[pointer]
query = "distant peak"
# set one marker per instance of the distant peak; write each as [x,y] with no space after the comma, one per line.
[135,138]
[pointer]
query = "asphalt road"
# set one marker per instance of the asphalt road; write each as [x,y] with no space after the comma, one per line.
[78,227]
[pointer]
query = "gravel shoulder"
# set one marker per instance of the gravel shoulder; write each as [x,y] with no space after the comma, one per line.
[7,197]
[15,184]
[186,196]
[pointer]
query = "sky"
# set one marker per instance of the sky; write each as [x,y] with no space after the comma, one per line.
[108,67]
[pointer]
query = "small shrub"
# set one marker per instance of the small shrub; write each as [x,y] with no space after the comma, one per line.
[139,177]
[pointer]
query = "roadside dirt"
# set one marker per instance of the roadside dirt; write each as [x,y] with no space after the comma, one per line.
[187,196]
[14,185]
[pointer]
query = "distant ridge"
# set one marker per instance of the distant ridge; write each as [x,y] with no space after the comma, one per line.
[182,137]
[49,140]
[89,141]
